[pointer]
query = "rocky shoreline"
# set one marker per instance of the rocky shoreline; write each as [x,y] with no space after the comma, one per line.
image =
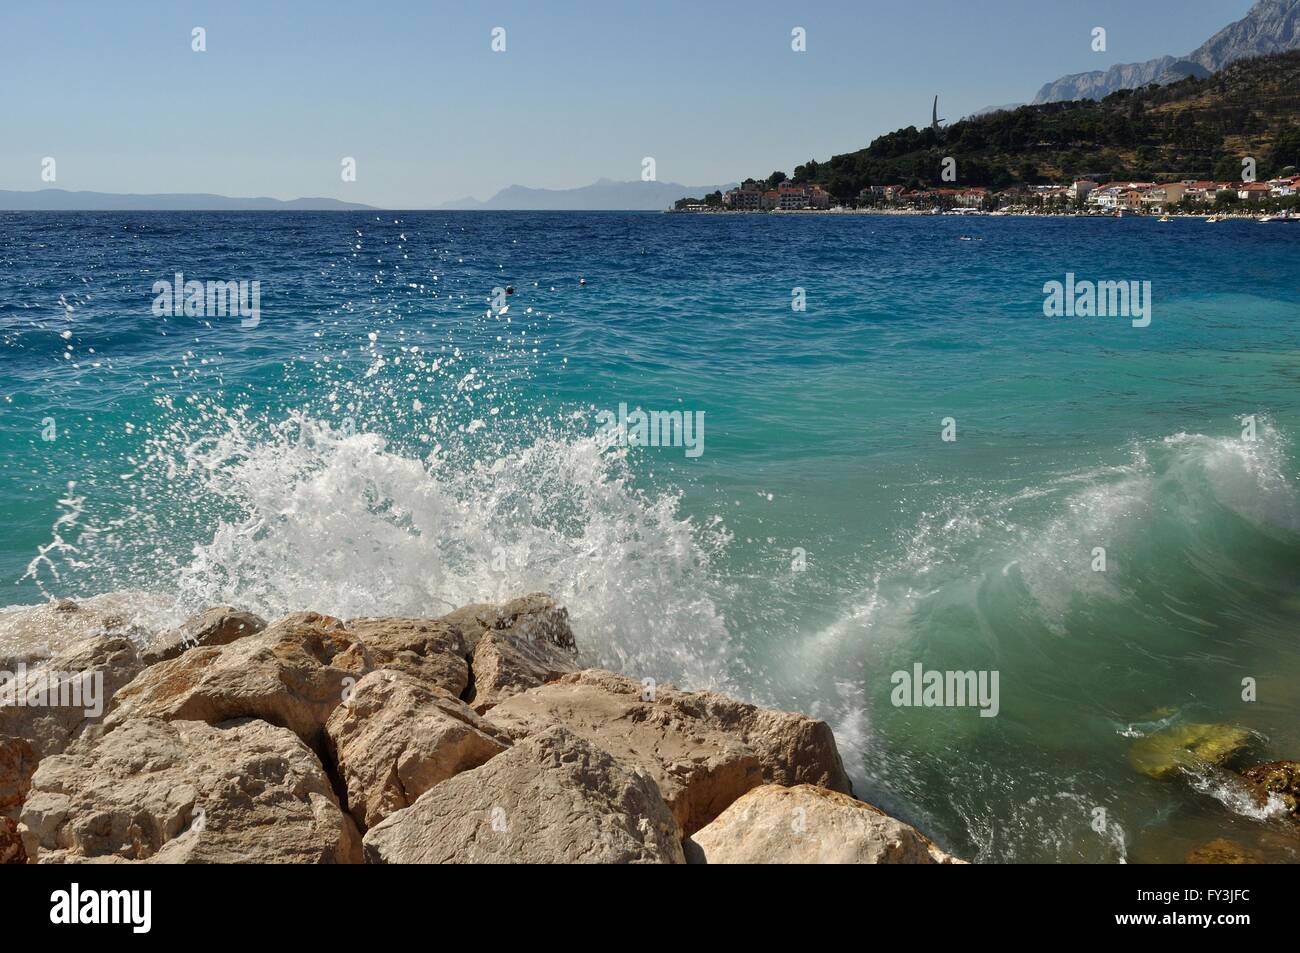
[475,737]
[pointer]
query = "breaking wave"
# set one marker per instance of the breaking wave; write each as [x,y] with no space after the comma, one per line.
[276,516]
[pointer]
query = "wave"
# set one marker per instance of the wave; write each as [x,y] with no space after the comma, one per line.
[308,511]
[1201,539]
[303,513]
[1181,512]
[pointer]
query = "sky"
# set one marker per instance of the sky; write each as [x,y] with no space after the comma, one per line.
[413,91]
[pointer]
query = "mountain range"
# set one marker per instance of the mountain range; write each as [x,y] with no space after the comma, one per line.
[1270,26]
[61,200]
[602,195]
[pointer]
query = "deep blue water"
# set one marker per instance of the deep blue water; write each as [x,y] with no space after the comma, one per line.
[386,441]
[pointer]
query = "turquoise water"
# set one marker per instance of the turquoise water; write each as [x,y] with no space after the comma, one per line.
[386,441]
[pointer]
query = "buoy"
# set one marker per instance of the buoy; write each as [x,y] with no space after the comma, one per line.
[582,281]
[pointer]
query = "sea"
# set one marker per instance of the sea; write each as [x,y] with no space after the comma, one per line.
[880,457]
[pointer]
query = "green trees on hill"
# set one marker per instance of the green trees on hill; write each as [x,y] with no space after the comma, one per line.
[1197,128]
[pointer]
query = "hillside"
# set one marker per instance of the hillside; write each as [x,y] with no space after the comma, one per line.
[1194,128]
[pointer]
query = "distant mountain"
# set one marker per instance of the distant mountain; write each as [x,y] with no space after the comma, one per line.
[61,200]
[603,195]
[989,110]
[1270,26]
[1099,84]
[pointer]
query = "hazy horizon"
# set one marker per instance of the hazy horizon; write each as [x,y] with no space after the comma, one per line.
[416,95]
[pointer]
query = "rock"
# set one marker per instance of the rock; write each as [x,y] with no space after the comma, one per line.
[552,798]
[806,824]
[1223,851]
[17,765]
[292,674]
[505,665]
[431,650]
[792,748]
[1186,747]
[1276,779]
[394,739]
[59,698]
[186,792]
[704,750]
[82,681]
[534,617]
[219,625]
[33,633]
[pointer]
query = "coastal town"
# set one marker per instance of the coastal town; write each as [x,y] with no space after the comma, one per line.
[1083,196]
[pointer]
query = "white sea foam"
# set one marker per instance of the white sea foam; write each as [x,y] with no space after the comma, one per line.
[1228,790]
[344,524]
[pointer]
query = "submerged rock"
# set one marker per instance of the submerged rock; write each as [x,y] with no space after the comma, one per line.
[1276,779]
[396,738]
[703,750]
[1186,747]
[292,674]
[806,824]
[1223,851]
[551,799]
[186,792]
[219,625]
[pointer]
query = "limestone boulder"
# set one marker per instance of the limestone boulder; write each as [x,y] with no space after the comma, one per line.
[17,765]
[33,633]
[44,705]
[506,664]
[553,798]
[48,703]
[704,750]
[186,792]
[806,824]
[395,738]
[532,618]
[430,650]
[219,625]
[292,674]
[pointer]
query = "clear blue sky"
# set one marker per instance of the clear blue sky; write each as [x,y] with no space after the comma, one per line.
[412,89]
